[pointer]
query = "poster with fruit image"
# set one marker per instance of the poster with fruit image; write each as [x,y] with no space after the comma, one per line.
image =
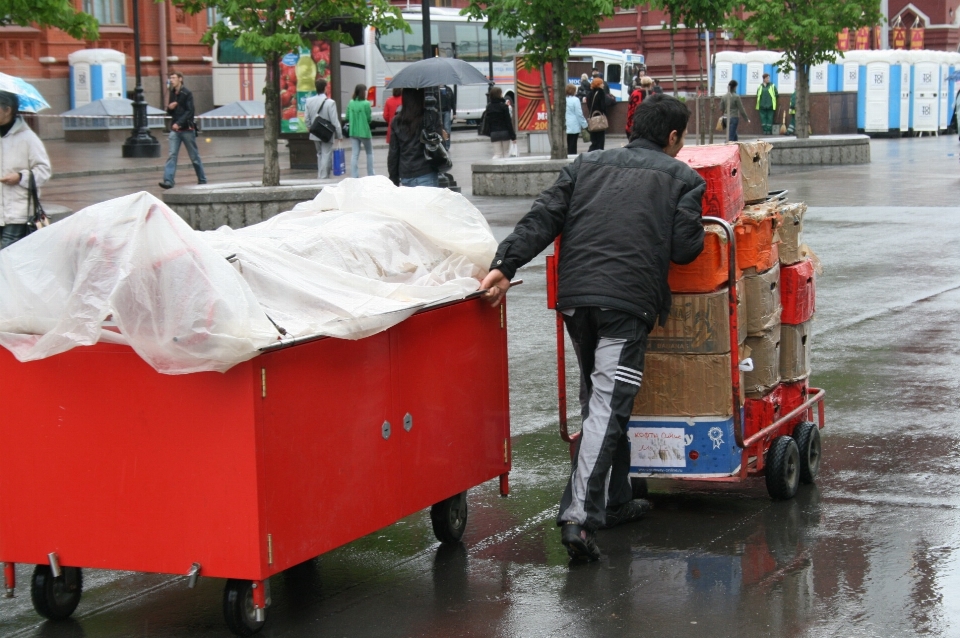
[298,72]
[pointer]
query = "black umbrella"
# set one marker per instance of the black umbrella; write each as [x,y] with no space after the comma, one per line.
[436,72]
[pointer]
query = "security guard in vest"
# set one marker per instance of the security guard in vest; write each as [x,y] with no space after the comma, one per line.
[767,104]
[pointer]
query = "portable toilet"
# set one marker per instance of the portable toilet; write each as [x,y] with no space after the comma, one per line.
[786,81]
[96,74]
[850,71]
[924,92]
[753,65]
[900,64]
[819,77]
[874,94]
[944,58]
[952,84]
[729,66]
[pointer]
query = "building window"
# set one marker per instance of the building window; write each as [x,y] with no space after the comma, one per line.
[106,11]
[211,16]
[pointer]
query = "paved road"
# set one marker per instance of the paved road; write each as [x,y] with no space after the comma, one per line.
[872,550]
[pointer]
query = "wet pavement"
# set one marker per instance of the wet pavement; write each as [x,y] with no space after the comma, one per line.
[873,549]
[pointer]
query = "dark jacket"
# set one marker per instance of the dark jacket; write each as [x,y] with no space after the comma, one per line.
[624,214]
[406,155]
[596,101]
[499,121]
[183,114]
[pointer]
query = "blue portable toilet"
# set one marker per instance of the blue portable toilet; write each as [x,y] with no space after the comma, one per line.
[835,75]
[819,77]
[924,91]
[895,119]
[954,67]
[729,66]
[96,74]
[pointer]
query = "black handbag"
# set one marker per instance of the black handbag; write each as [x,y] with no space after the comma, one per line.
[435,152]
[484,127]
[38,218]
[322,127]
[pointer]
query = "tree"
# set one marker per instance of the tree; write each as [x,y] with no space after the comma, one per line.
[270,30]
[546,29]
[60,14]
[806,31]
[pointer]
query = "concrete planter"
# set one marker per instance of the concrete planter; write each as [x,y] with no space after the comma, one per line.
[820,150]
[524,177]
[238,204]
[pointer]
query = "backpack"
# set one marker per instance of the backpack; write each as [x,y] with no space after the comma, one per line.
[321,126]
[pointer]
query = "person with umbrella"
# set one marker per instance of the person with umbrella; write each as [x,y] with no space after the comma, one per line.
[21,154]
[407,163]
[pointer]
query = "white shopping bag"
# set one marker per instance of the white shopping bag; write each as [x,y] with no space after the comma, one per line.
[514,151]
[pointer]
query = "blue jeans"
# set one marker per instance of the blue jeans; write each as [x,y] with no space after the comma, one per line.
[448,127]
[430,179]
[189,139]
[13,233]
[355,156]
[732,124]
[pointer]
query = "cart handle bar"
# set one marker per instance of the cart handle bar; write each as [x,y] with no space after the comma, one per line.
[817,398]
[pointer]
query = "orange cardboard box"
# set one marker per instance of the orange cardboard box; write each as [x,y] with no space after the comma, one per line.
[757,238]
[707,272]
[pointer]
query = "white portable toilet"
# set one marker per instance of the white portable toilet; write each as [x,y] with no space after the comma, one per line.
[901,65]
[819,76]
[753,63]
[96,74]
[875,83]
[786,81]
[728,64]
[944,59]
[924,92]
[850,71]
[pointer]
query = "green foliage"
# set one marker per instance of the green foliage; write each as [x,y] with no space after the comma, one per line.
[806,30]
[711,14]
[49,13]
[546,28]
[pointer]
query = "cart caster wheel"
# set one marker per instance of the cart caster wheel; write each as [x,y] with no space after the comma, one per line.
[238,608]
[56,598]
[783,468]
[807,436]
[449,518]
[639,487]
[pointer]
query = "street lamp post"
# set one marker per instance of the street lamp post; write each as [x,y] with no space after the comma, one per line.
[141,143]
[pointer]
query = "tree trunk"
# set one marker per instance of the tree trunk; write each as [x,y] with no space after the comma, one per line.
[803,102]
[673,59]
[271,122]
[558,118]
[700,125]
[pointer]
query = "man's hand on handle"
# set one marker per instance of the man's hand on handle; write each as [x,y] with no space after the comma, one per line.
[496,285]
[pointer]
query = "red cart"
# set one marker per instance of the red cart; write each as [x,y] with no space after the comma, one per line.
[773,451]
[308,446]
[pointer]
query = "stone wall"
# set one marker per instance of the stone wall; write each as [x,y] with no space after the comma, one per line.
[822,149]
[515,178]
[237,205]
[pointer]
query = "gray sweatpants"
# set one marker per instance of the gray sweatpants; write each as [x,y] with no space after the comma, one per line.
[610,346]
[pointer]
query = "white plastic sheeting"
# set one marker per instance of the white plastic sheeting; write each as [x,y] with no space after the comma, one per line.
[361,257]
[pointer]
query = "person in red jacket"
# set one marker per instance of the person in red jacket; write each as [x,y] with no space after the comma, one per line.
[391,107]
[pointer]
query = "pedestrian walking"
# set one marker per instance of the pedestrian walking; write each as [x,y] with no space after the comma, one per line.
[448,108]
[597,105]
[574,119]
[323,106]
[612,291]
[584,89]
[732,107]
[390,109]
[183,130]
[407,163]
[359,116]
[637,96]
[499,124]
[767,104]
[21,154]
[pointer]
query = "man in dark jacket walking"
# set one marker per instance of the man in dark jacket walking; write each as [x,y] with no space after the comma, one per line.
[183,129]
[624,215]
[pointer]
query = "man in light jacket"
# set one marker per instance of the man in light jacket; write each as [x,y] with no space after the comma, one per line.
[320,104]
[21,152]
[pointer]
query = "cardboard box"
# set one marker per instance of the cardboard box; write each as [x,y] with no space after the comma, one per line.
[719,165]
[765,352]
[685,385]
[797,292]
[757,237]
[763,300]
[754,169]
[698,324]
[792,396]
[759,413]
[794,351]
[699,446]
[792,248]
[709,271]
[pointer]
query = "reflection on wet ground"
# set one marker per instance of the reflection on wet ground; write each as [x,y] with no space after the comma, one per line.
[872,550]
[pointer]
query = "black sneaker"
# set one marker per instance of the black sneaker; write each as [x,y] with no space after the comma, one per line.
[630,511]
[580,542]
[166,185]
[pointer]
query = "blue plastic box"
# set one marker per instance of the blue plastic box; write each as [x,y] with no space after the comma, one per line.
[691,446]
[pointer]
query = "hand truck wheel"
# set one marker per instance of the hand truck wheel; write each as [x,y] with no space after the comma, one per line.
[56,598]
[238,609]
[783,468]
[807,436]
[449,518]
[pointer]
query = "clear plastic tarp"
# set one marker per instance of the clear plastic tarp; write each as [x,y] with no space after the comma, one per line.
[361,257]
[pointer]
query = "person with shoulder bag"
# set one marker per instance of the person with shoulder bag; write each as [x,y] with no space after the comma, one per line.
[574,119]
[321,117]
[499,123]
[407,160]
[23,159]
[597,121]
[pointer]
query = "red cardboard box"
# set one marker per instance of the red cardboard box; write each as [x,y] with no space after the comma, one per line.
[792,395]
[719,165]
[797,292]
[759,413]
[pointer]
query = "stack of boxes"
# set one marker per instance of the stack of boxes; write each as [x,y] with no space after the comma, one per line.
[683,415]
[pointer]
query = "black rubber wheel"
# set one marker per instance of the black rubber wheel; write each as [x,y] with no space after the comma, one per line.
[783,468]
[449,518]
[56,598]
[238,608]
[807,436]
[639,487]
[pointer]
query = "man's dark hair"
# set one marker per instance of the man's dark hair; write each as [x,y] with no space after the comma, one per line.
[321,86]
[176,73]
[656,116]
[732,85]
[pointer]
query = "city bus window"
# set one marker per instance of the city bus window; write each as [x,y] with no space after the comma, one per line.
[468,46]
[391,45]
[613,74]
[508,47]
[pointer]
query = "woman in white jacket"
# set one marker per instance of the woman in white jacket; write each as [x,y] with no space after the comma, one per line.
[575,121]
[21,152]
